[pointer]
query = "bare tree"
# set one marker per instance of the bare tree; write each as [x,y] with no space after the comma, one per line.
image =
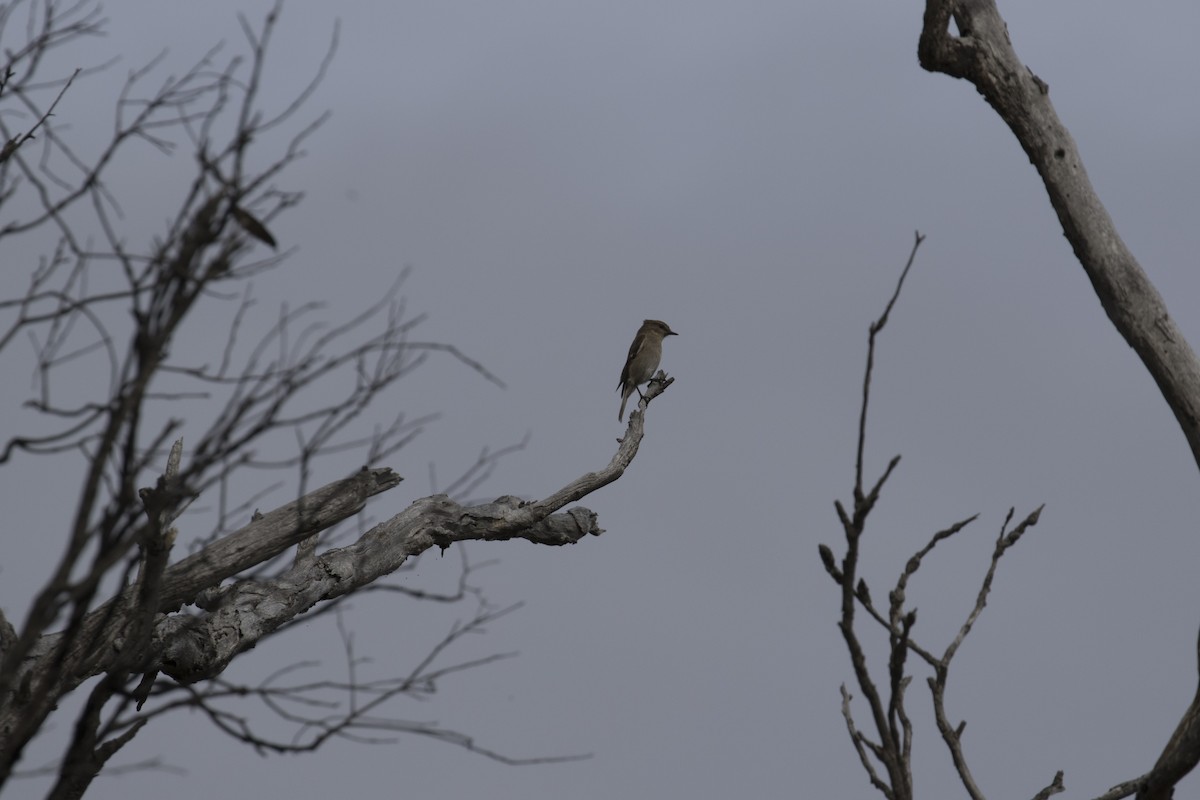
[120,617]
[982,53]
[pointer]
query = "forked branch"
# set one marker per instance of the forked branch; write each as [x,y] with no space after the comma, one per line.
[887,758]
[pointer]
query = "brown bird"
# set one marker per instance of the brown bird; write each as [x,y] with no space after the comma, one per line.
[643,358]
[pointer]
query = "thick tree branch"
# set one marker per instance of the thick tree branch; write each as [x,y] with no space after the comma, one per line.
[195,648]
[984,55]
[107,637]
[190,647]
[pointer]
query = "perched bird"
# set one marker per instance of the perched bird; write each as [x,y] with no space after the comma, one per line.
[644,355]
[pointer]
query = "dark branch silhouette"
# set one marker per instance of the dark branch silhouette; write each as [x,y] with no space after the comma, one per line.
[137,610]
[886,751]
[981,52]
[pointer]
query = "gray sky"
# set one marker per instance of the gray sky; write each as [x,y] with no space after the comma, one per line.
[752,173]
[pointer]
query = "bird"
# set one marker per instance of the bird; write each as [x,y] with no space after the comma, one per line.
[643,358]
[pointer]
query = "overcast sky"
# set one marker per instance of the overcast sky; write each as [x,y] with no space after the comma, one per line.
[751,173]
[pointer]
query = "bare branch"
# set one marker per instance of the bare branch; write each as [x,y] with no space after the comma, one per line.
[350,710]
[862,744]
[145,633]
[889,713]
[1052,789]
[876,327]
[983,54]
[1003,542]
[196,648]
[12,144]
[888,716]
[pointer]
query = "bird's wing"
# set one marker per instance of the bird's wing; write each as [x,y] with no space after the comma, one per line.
[638,341]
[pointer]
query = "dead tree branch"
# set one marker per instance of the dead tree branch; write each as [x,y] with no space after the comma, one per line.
[887,758]
[982,53]
[148,633]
